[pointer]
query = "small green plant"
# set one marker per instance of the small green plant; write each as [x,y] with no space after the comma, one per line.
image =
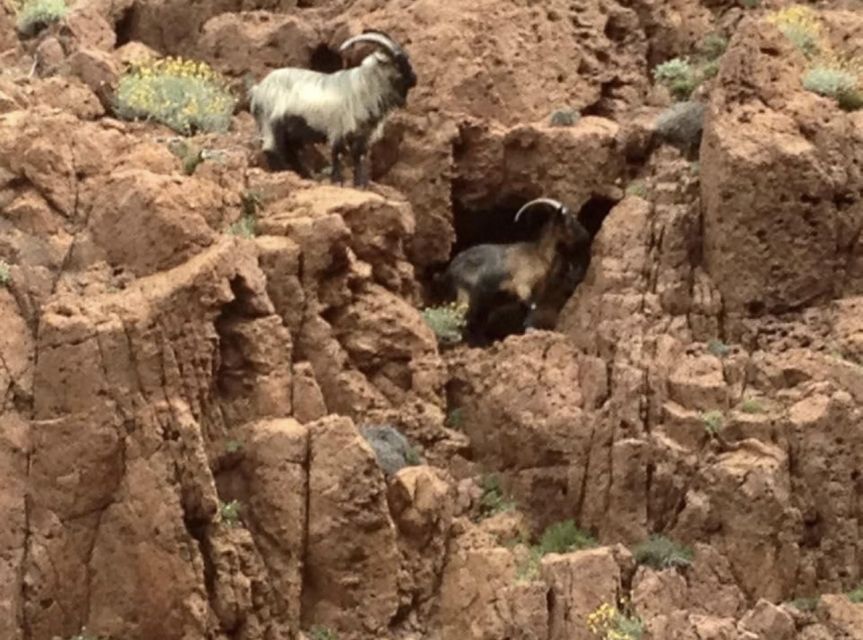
[322,633]
[185,95]
[713,46]
[412,457]
[190,156]
[251,201]
[454,418]
[607,622]
[718,348]
[637,188]
[34,15]
[5,274]
[232,446]
[751,405]
[563,537]
[836,81]
[447,321]
[805,604]
[564,117]
[856,595]
[750,4]
[230,512]
[244,227]
[83,635]
[493,501]
[801,26]
[679,76]
[713,422]
[659,552]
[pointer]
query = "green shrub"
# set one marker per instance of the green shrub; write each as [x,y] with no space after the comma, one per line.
[230,512]
[856,596]
[678,75]
[805,604]
[607,622]
[186,95]
[34,15]
[493,500]
[637,188]
[454,418]
[801,26]
[244,227]
[563,537]
[564,117]
[841,84]
[713,422]
[751,405]
[713,46]
[447,321]
[232,446]
[659,552]
[5,274]
[322,633]
[718,348]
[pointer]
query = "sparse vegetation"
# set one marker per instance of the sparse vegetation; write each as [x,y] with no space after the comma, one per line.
[244,227]
[838,80]
[561,537]
[713,422]
[679,76]
[805,604]
[83,635]
[454,418]
[801,26]
[186,95]
[637,188]
[718,348]
[322,633]
[607,622]
[232,446]
[447,321]
[493,499]
[659,552]
[5,274]
[191,156]
[252,201]
[856,595]
[564,117]
[230,512]
[751,405]
[750,4]
[34,15]
[713,46]
[412,457]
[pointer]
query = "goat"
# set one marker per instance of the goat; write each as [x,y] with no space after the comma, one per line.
[346,108]
[488,275]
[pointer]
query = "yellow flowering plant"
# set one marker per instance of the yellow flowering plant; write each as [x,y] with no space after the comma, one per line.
[186,95]
[607,622]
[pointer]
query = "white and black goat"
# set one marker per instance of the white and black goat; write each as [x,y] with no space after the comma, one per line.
[528,274]
[346,108]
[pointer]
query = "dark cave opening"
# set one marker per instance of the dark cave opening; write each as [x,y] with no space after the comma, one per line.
[124,25]
[496,225]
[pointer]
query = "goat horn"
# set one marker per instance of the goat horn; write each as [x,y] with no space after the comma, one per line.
[374,36]
[549,201]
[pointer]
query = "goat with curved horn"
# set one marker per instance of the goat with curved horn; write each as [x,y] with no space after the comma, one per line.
[347,108]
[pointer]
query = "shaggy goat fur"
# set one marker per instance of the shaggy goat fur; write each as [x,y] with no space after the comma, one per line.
[346,108]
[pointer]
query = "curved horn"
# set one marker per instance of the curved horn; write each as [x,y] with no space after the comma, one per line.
[549,201]
[375,37]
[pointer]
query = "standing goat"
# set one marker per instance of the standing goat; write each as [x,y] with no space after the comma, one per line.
[345,108]
[486,275]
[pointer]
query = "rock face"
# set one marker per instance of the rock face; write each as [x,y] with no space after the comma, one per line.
[194,359]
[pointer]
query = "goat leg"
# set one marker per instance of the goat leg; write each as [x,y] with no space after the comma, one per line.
[361,177]
[336,170]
